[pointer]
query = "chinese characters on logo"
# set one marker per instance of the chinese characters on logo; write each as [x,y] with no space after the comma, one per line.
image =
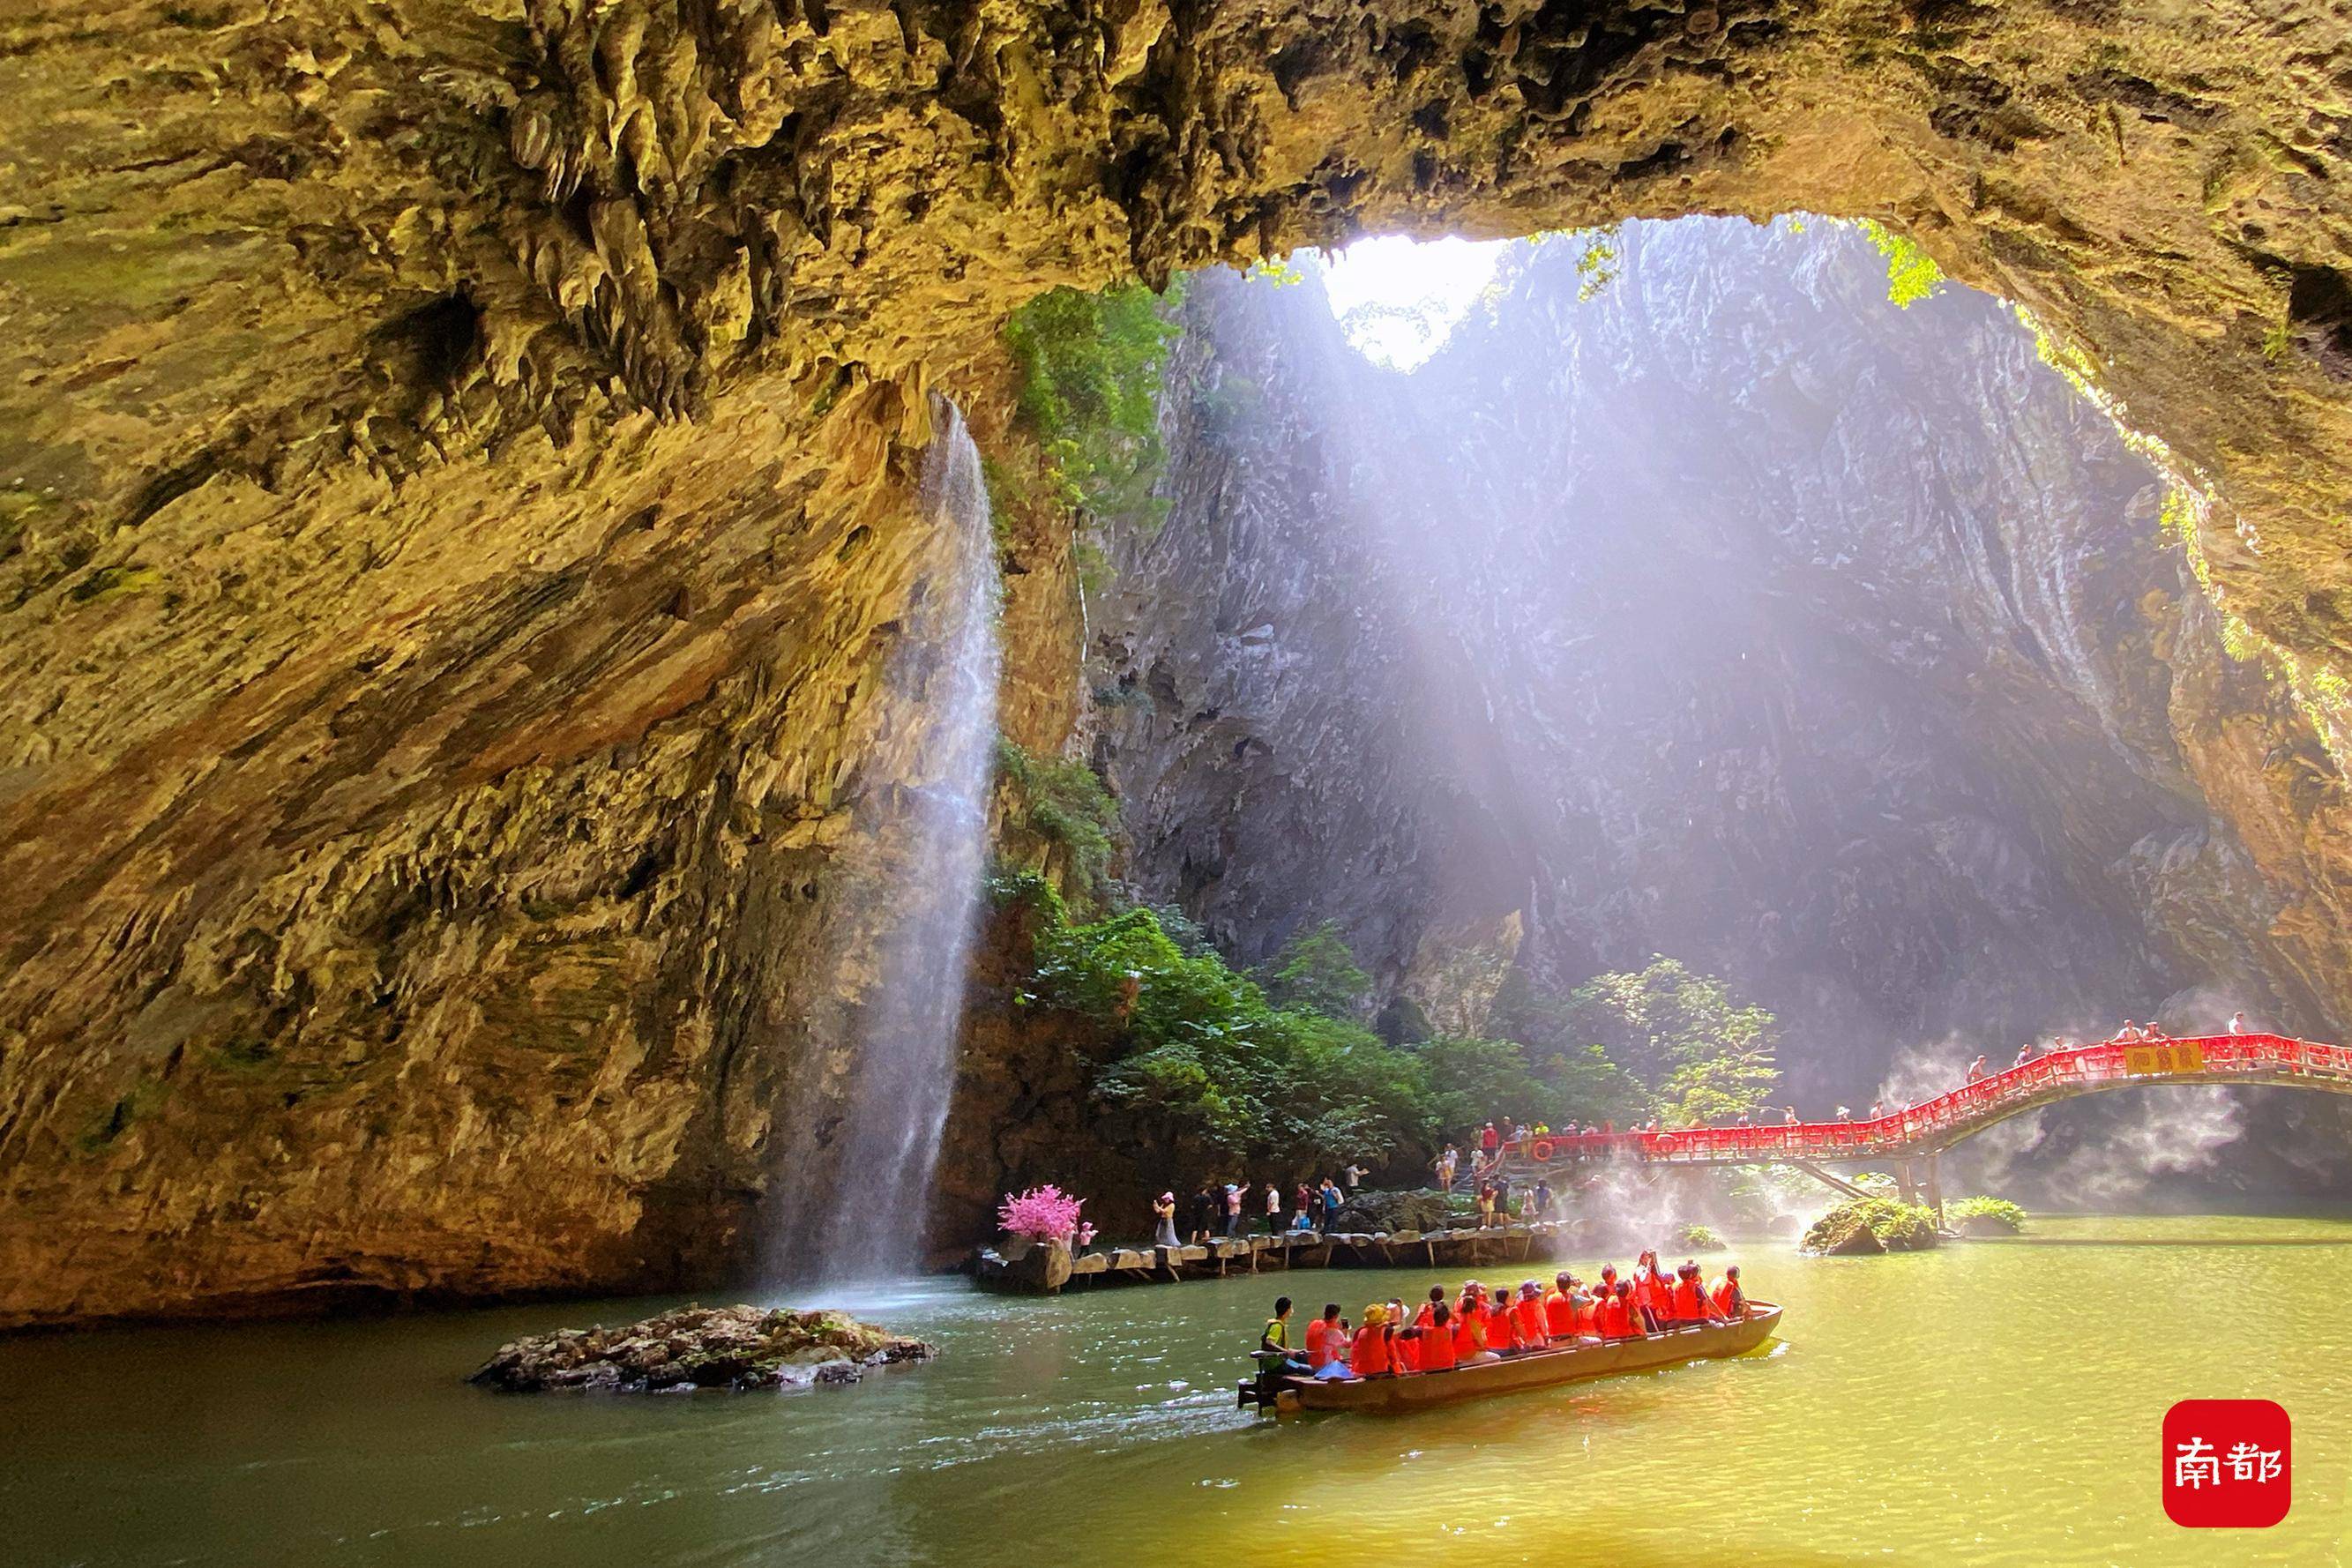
[2228,1464]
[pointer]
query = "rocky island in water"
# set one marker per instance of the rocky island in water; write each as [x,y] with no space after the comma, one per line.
[701,1347]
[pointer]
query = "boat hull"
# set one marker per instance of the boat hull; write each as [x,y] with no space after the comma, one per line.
[1587,1360]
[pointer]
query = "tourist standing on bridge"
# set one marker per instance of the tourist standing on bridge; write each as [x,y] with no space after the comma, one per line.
[1489,1140]
[1163,1216]
[1273,1208]
[1232,1211]
[1976,1070]
[1331,1202]
[2237,1023]
[1543,1199]
[1447,1163]
[2024,1055]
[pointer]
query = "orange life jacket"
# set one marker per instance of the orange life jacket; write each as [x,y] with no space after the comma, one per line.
[1437,1348]
[1371,1357]
[1317,1333]
[1588,1316]
[1611,1316]
[1527,1317]
[1499,1327]
[1560,1315]
[1728,1299]
[1465,1335]
[1404,1353]
[1427,1317]
[1690,1301]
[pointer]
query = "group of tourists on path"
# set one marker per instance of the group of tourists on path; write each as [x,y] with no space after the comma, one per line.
[1232,1209]
[1489,1322]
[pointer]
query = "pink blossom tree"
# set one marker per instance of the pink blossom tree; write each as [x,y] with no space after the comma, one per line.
[1041,1214]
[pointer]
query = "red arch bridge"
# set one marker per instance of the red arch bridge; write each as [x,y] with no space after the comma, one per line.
[1911,1140]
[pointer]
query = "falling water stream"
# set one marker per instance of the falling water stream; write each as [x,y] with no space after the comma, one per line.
[945,670]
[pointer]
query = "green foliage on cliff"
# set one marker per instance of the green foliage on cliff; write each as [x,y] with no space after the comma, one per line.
[1316,970]
[1061,800]
[1695,1052]
[1204,1053]
[1091,367]
[1277,1068]
[1912,274]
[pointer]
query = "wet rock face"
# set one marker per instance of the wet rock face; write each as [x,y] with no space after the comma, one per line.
[454,469]
[1734,614]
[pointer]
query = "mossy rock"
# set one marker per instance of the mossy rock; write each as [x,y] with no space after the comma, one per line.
[1700,1239]
[1864,1226]
[1985,1216]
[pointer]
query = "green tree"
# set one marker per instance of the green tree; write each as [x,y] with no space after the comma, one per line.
[1704,1054]
[1317,970]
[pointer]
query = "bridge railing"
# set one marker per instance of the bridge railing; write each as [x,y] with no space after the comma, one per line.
[2220,1056]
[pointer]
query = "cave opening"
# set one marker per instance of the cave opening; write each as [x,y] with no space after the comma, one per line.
[1746,595]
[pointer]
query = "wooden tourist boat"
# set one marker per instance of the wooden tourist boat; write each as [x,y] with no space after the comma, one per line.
[1586,1360]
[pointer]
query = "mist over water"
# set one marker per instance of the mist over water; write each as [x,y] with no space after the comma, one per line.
[905,1033]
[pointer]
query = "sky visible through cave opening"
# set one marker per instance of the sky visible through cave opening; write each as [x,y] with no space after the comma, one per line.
[1399,299]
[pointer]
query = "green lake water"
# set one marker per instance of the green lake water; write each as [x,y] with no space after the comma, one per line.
[1996,1402]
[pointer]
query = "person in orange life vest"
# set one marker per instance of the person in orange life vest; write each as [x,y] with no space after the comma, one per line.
[1404,1341]
[1437,1354]
[1327,1337]
[1502,1332]
[1728,1296]
[1527,1317]
[1469,1334]
[1559,1307]
[1369,1355]
[1473,1300]
[1653,1293]
[1427,1317]
[1636,1321]
[1668,1304]
[1587,1313]
[1475,1352]
[1610,1313]
[1691,1306]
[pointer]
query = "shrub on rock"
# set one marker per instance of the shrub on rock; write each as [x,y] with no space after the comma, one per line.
[1862,1226]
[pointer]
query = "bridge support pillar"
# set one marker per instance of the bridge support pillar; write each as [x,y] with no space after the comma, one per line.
[1936,1187]
[1907,1182]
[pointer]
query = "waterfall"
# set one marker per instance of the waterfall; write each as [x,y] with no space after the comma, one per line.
[905,1033]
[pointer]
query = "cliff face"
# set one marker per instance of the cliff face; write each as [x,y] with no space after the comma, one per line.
[1733,614]
[455,512]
